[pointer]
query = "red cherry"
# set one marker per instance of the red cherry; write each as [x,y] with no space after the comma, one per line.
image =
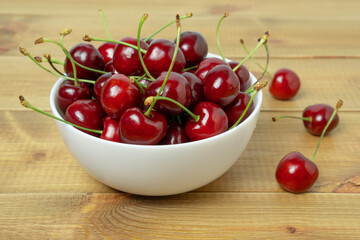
[111,129]
[206,65]
[319,115]
[107,51]
[69,93]
[86,113]
[87,55]
[197,89]
[295,173]
[213,121]
[243,74]
[221,85]
[99,83]
[136,128]
[285,84]
[109,67]
[175,134]
[126,59]
[119,94]
[194,47]
[236,108]
[159,55]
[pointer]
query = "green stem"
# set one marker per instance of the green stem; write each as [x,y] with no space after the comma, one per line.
[104,24]
[217,35]
[188,15]
[274,119]
[190,68]
[88,38]
[338,105]
[27,104]
[246,109]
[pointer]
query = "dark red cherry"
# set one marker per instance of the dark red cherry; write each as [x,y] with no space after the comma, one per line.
[87,55]
[175,134]
[236,108]
[109,67]
[99,83]
[197,89]
[176,88]
[206,65]
[126,59]
[319,115]
[221,85]
[285,84]
[194,47]
[159,55]
[243,74]
[69,93]
[107,51]
[213,121]
[136,128]
[295,173]
[119,94]
[86,113]
[111,129]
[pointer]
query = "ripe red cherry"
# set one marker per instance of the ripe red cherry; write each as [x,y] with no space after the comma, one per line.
[107,51]
[176,88]
[111,129]
[194,47]
[197,89]
[159,55]
[213,121]
[175,134]
[285,84]
[86,113]
[87,55]
[319,115]
[69,93]
[243,74]
[295,173]
[99,83]
[236,108]
[126,59]
[109,67]
[221,85]
[119,94]
[206,65]
[136,128]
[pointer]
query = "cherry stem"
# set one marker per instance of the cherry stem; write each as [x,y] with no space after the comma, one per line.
[178,25]
[140,86]
[104,24]
[190,68]
[26,53]
[257,88]
[151,99]
[274,119]
[217,35]
[253,59]
[53,60]
[48,58]
[261,42]
[27,104]
[142,20]
[88,38]
[338,106]
[188,15]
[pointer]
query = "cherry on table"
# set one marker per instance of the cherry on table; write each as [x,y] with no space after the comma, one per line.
[285,84]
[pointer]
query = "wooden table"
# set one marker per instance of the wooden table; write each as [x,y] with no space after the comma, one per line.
[45,194]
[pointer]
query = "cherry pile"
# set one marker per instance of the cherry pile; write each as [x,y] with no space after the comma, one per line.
[150,90]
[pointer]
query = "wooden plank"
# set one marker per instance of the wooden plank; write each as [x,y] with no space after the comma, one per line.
[186,216]
[35,159]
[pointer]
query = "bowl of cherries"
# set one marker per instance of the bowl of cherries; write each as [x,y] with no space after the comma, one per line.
[152,116]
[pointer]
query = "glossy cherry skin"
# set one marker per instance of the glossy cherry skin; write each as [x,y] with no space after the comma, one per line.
[159,55]
[285,84]
[221,85]
[176,88]
[109,67]
[126,59]
[194,47]
[236,108]
[175,134]
[107,51]
[243,74]
[99,83]
[197,89]
[87,55]
[206,65]
[86,113]
[69,93]
[320,115]
[110,129]
[295,173]
[119,94]
[213,121]
[136,128]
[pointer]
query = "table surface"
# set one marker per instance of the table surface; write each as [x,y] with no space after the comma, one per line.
[46,194]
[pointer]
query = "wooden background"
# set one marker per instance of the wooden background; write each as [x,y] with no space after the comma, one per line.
[45,194]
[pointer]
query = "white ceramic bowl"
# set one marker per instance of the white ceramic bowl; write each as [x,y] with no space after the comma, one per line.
[161,169]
